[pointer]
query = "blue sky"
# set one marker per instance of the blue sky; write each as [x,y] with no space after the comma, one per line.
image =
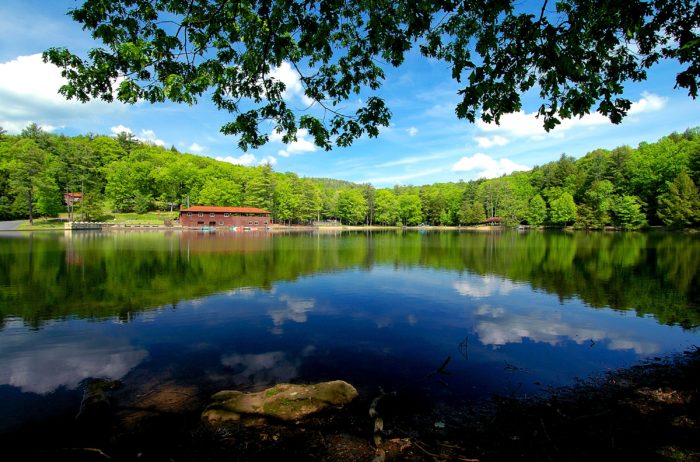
[425,143]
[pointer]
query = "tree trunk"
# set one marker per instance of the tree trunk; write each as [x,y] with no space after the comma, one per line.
[31,198]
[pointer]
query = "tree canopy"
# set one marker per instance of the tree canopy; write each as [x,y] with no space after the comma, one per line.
[625,187]
[576,53]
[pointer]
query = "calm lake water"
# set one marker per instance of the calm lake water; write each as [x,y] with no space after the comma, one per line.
[515,313]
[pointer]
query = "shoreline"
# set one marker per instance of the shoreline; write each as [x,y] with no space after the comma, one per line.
[649,411]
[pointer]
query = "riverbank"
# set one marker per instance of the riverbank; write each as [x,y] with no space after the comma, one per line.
[647,412]
[136,223]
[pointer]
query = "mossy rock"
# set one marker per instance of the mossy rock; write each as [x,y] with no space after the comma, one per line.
[285,402]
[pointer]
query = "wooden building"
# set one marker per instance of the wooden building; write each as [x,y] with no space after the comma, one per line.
[71,198]
[212,216]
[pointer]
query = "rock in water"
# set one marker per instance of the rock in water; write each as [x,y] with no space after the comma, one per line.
[283,402]
[95,406]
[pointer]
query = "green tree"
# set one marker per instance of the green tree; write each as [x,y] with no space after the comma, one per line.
[352,206]
[309,195]
[577,56]
[286,202]
[593,213]
[472,213]
[627,212]
[127,141]
[410,209]
[221,192]
[536,211]
[49,198]
[79,168]
[26,169]
[386,207]
[680,206]
[126,180]
[260,189]
[562,210]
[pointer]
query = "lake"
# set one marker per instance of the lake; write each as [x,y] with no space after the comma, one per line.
[448,317]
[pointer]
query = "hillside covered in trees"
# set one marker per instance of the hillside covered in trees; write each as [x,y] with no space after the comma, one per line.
[654,183]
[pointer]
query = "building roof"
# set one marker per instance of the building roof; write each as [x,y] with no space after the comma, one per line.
[213,208]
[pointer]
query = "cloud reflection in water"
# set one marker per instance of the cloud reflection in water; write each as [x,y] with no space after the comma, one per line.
[498,326]
[296,310]
[266,368]
[47,359]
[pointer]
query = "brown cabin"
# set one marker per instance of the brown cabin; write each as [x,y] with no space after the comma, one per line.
[71,198]
[209,215]
[494,221]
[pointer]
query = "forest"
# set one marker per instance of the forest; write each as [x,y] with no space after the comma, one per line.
[626,187]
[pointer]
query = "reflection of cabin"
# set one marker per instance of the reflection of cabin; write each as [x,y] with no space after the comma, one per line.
[493,221]
[71,198]
[208,215]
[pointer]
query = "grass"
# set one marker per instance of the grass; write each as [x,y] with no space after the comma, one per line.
[149,218]
[43,223]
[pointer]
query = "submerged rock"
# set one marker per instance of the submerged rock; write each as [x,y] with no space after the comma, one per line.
[283,402]
[96,406]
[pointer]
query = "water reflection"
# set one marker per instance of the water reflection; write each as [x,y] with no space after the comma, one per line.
[265,368]
[295,310]
[498,326]
[187,311]
[95,276]
[480,287]
[40,362]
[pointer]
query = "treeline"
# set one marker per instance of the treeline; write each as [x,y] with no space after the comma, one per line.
[655,183]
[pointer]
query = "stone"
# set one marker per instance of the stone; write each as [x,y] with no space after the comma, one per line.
[286,402]
[95,406]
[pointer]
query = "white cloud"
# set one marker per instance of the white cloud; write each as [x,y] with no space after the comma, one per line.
[486,142]
[49,128]
[149,136]
[145,135]
[120,129]
[247,159]
[268,160]
[293,87]
[301,145]
[412,131]
[196,148]
[29,93]
[649,103]
[487,167]
[528,125]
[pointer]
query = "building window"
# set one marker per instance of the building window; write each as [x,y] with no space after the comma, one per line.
[189,214]
[250,222]
[227,214]
[221,222]
[212,214]
[264,222]
[200,214]
[256,222]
